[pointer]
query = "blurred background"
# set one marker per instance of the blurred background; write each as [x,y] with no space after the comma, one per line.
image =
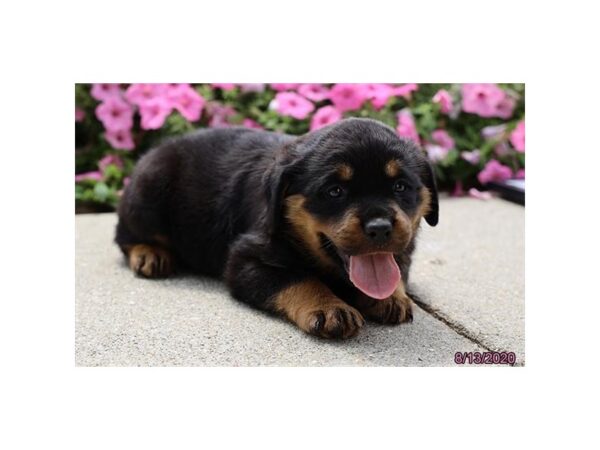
[474,134]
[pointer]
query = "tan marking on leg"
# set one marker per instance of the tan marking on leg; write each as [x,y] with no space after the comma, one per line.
[315,309]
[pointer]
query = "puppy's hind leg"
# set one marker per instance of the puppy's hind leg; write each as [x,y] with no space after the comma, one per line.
[150,257]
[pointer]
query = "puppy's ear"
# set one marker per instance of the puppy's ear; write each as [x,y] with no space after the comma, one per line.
[428,178]
[276,183]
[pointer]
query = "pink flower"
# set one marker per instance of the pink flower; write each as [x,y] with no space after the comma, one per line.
[444,99]
[378,93]
[494,171]
[348,97]
[292,104]
[187,101]
[405,90]
[406,126]
[517,137]
[108,160]
[284,86]
[220,115]
[79,114]
[142,93]
[252,87]
[443,139]
[249,123]
[436,153]
[505,108]
[520,174]
[95,175]
[482,99]
[103,91]
[154,112]
[120,139]
[314,92]
[471,157]
[493,131]
[115,114]
[324,116]
[479,195]
[224,86]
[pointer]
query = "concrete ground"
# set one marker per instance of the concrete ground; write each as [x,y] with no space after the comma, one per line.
[468,273]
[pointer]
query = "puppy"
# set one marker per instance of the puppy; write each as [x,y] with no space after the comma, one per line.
[319,228]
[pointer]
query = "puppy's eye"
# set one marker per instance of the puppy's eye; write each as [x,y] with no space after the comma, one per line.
[335,191]
[399,186]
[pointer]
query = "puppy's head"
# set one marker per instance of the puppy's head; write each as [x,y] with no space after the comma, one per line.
[353,195]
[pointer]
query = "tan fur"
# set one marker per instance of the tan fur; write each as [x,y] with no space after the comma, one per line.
[149,261]
[315,309]
[307,228]
[392,168]
[345,172]
[424,207]
[393,310]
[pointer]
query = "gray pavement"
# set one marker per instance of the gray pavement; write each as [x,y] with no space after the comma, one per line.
[468,271]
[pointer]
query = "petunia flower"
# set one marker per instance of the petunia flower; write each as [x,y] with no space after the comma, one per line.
[224,86]
[120,139]
[154,113]
[292,104]
[103,91]
[517,137]
[314,92]
[219,115]
[252,87]
[482,99]
[443,139]
[249,123]
[436,153]
[378,93]
[142,93]
[79,114]
[95,175]
[520,174]
[115,114]
[479,195]
[348,97]
[324,116]
[405,90]
[187,101]
[406,126]
[444,99]
[108,160]
[279,87]
[471,157]
[494,171]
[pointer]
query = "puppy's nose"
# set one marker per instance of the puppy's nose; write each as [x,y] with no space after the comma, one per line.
[379,230]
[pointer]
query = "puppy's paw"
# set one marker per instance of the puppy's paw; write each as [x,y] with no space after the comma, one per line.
[150,261]
[333,321]
[392,311]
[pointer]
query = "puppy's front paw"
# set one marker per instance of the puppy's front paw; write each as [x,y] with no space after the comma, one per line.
[333,321]
[393,310]
[150,261]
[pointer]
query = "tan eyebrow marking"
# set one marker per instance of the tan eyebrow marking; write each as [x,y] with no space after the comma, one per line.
[392,168]
[345,172]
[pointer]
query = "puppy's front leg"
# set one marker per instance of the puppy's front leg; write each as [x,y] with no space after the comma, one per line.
[255,276]
[393,310]
[315,309]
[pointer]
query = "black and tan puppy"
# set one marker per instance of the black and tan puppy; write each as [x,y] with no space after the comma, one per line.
[318,228]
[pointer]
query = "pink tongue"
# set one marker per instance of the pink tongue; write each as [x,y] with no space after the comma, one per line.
[377,274]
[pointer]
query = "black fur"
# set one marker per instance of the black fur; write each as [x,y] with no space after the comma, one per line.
[218,196]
